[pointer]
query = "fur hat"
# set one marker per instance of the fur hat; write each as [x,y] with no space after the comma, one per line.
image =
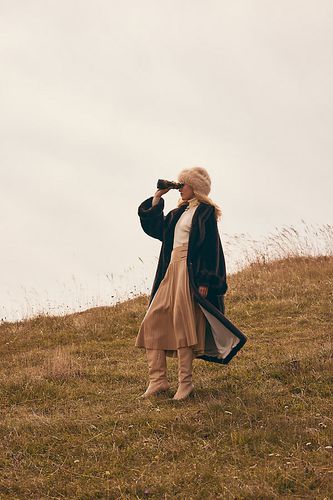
[197,177]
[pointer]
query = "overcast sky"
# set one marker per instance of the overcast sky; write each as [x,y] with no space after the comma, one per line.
[101,98]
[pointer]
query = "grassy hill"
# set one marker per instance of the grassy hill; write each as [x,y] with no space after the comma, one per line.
[72,425]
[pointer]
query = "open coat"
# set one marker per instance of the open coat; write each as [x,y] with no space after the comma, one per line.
[205,265]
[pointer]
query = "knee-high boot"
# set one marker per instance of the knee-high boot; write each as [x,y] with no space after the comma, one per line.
[185,387]
[158,381]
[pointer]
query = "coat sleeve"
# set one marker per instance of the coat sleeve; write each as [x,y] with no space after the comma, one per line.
[212,272]
[152,218]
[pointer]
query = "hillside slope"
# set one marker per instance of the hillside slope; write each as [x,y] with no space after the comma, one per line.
[72,425]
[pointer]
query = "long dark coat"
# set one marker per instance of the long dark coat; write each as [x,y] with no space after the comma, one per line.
[206,266]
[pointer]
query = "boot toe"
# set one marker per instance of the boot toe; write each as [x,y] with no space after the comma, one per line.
[153,390]
[183,393]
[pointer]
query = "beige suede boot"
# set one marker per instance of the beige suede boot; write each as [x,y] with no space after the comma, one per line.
[185,358]
[158,381]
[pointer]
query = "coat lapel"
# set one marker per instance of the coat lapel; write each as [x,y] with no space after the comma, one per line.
[197,233]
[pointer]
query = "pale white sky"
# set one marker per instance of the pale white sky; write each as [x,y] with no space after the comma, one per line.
[101,98]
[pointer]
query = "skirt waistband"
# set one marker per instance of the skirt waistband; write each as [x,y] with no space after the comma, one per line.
[179,252]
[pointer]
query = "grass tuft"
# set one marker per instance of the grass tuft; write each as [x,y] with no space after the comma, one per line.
[60,364]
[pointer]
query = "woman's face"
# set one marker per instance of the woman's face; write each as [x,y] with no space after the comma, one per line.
[186,192]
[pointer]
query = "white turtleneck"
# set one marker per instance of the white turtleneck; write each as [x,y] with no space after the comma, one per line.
[183,226]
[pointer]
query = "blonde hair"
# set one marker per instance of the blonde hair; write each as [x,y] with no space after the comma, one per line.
[204,199]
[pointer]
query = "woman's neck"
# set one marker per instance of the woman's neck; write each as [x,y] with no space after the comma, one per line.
[193,202]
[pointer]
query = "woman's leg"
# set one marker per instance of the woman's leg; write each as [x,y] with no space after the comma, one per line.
[185,358]
[157,366]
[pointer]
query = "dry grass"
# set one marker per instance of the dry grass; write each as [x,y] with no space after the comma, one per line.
[72,425]
[60,364]
[306,240]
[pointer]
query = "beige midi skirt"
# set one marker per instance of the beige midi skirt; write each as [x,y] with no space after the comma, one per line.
[173,318]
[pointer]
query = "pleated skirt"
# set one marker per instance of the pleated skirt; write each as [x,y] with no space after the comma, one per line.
[173,318]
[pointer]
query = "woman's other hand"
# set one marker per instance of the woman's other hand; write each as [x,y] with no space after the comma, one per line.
[203,290]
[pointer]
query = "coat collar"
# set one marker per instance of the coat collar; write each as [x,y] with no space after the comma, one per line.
[199,217]
[202,212]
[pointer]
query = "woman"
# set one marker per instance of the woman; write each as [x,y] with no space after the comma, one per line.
[185,315]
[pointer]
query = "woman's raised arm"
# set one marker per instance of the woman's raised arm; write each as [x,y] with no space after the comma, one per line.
[151,215]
